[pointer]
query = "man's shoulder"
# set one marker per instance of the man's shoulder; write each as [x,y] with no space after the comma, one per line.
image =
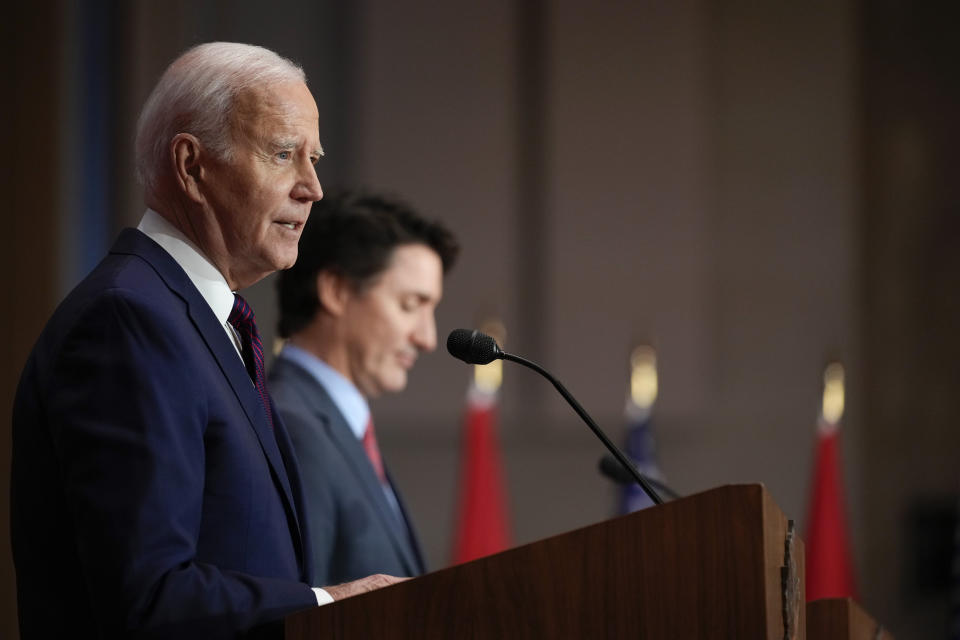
[292,386]
[124,286]
[118,279]
[134,264]
[302,400]
[122,310]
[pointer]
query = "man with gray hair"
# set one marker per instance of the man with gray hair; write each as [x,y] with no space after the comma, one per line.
[154,489]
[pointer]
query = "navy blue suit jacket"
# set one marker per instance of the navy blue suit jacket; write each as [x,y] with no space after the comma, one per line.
[355,532]
[150,497]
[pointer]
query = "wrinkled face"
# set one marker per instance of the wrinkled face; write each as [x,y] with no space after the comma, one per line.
[257,202]
[391,321]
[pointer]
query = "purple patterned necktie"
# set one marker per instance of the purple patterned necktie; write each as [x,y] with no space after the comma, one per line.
[242,319]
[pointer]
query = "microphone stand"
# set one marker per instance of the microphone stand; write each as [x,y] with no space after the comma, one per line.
[612,448]
[610,468]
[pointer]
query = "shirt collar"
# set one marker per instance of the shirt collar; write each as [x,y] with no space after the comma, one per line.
[344,394]
[203,274]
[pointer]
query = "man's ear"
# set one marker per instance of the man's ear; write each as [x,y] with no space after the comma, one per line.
[187,168]
[333,292]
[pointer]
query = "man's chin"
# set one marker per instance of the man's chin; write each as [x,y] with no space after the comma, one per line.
[375,386]
[284,260]
[395,384]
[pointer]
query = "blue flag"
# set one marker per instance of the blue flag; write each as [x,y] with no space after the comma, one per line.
[641,448]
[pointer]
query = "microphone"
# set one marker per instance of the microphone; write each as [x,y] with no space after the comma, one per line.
[474,347]
[609,467]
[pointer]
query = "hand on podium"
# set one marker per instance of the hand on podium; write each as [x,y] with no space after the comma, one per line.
[363,585]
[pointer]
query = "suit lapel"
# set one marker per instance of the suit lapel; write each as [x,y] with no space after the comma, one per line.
[364,475]
[295,487]
[414,544]
[236,374]
[351,450]
[136,243]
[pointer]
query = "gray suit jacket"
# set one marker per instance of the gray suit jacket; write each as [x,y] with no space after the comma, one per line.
[354,531]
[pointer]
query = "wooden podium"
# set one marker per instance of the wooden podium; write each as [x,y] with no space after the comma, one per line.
[842,619]
[725,563]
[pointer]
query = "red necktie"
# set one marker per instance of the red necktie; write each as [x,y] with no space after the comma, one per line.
[243,320]
[373,451]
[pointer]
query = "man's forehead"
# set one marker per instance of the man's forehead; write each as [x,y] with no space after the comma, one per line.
[277,101]
[277,115]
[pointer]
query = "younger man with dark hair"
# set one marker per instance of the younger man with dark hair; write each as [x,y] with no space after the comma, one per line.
[357,309]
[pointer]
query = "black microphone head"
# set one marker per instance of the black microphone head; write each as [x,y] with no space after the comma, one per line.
[473,347]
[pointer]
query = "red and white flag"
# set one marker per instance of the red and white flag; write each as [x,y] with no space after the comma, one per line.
[483,524]
[829,561]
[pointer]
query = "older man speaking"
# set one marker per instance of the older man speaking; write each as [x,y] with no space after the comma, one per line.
[154,488]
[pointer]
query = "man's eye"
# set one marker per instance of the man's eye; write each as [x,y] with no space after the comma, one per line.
[283,155]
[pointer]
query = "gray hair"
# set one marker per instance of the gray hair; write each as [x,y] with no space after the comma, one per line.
[197,95]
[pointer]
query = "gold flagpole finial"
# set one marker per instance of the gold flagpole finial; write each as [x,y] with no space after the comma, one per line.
[489,377]
[833,393]
[643,376]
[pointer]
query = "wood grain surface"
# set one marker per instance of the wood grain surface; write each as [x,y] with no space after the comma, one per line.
[842,619]
[706,566]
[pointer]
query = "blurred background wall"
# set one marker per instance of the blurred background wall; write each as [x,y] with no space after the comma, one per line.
[754,188]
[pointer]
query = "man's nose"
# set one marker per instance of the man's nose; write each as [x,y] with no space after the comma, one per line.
[308,187]
[425,334]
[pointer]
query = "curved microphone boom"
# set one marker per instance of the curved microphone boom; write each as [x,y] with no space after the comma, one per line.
[474,347]
[611,468]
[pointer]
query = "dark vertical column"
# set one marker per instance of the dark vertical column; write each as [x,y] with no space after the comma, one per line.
[911,272]
[31,37]
[530,336]
[92,149]
[90,222]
